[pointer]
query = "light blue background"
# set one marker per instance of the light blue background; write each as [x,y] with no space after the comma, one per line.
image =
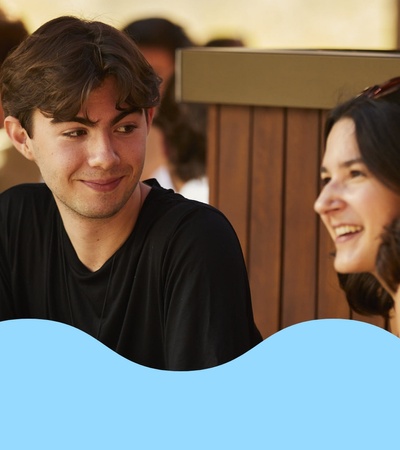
[326,384]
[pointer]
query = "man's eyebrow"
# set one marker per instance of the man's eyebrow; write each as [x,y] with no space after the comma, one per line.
[126,112]
[86,121]
[82,120]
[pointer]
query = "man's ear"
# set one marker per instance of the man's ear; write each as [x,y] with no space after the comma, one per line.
[19,136]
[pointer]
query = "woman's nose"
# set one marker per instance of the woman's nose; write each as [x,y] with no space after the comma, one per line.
[328,200]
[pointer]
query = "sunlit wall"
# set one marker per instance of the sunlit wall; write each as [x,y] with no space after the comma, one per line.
[363,24]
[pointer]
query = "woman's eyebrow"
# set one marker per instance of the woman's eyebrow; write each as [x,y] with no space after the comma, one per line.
[350,162]
[344,164]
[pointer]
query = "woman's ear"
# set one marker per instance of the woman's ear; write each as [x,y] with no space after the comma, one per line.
[19,137]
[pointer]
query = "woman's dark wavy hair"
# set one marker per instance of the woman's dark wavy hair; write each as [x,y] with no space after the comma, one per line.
[56,68]
[388,259]
[378,137]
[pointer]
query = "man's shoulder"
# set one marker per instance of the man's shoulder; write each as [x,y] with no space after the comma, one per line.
[20,196]
[167,215]
[167,203]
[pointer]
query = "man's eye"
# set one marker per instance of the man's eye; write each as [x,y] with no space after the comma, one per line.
[74,133]
[126,128]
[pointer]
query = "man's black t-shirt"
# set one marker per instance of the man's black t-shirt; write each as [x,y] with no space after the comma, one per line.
[174,296]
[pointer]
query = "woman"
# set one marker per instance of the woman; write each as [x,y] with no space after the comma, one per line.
[360,199]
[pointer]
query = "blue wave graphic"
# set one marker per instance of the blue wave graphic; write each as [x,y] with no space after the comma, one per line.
[324,384]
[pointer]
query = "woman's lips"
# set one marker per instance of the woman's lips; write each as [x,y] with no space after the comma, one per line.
[347,229]
[345,232]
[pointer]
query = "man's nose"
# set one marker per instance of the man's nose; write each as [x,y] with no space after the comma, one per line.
[102,152]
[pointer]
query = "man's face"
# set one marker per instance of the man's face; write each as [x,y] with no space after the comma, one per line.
[92,168]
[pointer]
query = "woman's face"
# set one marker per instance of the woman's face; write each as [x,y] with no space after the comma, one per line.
[353,205]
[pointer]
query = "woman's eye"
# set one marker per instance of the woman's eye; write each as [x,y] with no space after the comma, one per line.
[356,173]
[325,181]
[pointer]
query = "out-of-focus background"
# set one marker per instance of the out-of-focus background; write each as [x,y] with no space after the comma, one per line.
[344,24]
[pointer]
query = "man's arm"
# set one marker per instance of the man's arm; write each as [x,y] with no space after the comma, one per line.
[209,320]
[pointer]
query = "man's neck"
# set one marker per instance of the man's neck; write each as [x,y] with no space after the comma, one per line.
[96,240]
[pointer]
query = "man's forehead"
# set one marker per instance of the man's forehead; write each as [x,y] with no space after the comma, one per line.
[84,118]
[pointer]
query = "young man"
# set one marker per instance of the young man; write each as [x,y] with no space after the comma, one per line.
[158,278]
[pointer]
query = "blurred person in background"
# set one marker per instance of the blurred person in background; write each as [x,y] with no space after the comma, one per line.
[225,41]
[14,168]
[158,39]
[184,137]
